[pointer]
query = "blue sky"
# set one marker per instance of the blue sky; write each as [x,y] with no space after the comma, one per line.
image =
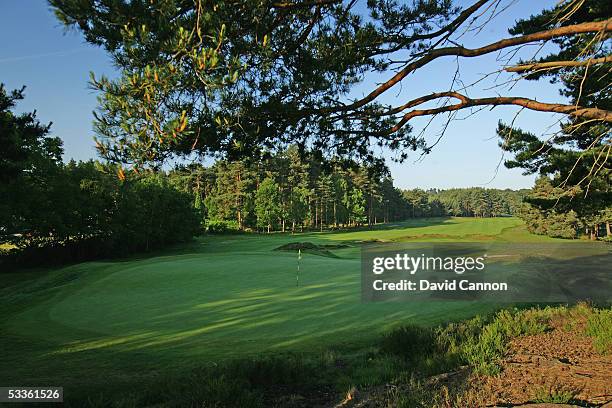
[36,51]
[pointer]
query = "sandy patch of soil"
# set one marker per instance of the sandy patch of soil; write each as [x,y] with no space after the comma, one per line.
[560,365]
[561,360]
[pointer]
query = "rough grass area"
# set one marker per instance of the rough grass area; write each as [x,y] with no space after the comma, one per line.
[409,366]
[513,358]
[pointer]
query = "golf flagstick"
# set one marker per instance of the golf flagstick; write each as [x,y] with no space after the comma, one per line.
[297,273]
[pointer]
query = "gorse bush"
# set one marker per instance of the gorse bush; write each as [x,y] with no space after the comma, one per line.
[485,352]
[452,339]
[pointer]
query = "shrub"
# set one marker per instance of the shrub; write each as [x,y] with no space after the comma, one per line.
[221,226]
[554,395]
[599,326]
[151,214]
[485,352]
[410,342]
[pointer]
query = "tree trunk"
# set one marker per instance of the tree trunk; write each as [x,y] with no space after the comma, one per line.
[370,210]
[321,215]
[237,202]
[321,218]
[608,229]
[335,215]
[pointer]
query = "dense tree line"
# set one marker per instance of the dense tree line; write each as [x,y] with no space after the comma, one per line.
[55,211]
[548,210]
[290,191]
[480,202]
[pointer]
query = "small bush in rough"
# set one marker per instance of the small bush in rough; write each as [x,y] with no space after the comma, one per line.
[485,351]
[410,342]
[599,326]
[554,395]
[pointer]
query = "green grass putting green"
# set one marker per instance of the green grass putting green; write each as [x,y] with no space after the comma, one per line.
[221,297]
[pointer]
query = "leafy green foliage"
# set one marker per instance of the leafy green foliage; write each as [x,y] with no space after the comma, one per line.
[307,191]
[549,211]
[479,342]
[27,148]
[29,159]
[221,226]
[470,202]
[151,214]
[90,213]
[266,204]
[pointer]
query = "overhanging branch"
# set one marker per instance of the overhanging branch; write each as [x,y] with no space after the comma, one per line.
[447,29]
[558,64]
[465,102]
[590,27]
[306,4]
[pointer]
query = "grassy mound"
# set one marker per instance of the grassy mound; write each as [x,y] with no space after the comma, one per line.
[305,246]
[309,247]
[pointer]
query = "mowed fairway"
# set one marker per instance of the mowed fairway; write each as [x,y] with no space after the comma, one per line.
[218,298]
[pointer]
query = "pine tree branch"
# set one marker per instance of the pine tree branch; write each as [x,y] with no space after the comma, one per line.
[307,4]
[447,29]
[460,51]
[558,64]
[465,102]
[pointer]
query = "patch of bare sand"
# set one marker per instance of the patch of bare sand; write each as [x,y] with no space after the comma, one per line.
[558,361]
